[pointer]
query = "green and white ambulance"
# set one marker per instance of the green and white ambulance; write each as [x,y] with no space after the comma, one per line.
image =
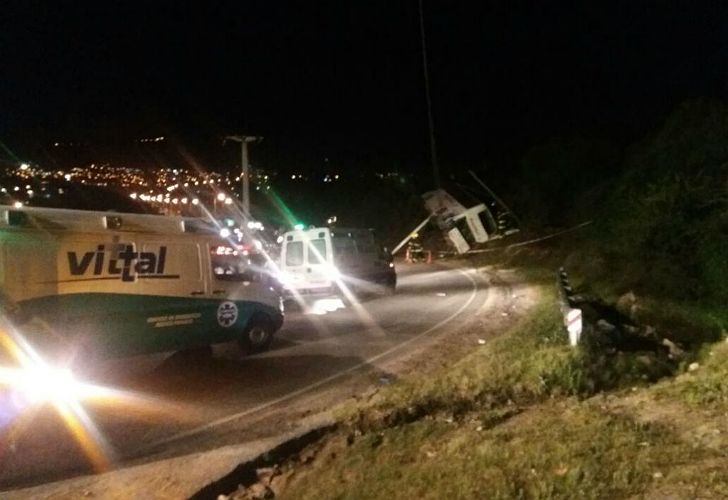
[125,284]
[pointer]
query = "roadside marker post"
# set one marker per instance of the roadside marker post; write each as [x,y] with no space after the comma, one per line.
[572,316]
[573,323]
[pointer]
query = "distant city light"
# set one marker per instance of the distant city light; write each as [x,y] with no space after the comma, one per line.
[133,196]
[225,232]
[24,166]
[18,204]
[220,196]
[228,201]
[195,201]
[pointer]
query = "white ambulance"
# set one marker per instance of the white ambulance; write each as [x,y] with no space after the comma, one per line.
[124,284]
[322,260]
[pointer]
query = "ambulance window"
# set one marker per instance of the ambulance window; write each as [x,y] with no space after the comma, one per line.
[317,251]
[294,253]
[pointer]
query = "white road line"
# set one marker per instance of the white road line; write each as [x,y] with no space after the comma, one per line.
[330,378]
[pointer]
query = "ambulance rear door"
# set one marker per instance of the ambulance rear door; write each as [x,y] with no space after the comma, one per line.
[307,260]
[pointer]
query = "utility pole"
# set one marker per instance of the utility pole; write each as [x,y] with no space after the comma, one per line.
[430,121]
[244,140]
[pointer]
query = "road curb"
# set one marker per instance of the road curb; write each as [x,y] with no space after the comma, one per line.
[182,476]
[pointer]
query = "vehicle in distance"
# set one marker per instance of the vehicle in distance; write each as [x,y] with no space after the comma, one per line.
[322,260]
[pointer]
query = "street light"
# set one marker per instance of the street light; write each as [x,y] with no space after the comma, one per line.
[244,140]
[219,197]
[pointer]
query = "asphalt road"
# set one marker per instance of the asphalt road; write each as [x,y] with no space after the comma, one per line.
[185,404]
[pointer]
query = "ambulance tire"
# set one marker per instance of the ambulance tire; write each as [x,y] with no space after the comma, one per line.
[258,334]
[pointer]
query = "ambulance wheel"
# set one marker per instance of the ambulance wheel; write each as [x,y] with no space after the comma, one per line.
[258,334]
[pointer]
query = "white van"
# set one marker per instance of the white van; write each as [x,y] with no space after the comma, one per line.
[321,260]
[125,284]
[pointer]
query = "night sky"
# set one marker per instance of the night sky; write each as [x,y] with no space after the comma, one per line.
[343,79]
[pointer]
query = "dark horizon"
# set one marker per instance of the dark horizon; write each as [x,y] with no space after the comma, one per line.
[344,81]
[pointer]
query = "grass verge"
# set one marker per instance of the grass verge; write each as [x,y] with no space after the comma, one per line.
[517,418]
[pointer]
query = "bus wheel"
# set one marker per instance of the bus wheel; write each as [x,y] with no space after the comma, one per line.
[258,334]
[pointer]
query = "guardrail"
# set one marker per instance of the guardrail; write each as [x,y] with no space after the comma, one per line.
[573,321]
